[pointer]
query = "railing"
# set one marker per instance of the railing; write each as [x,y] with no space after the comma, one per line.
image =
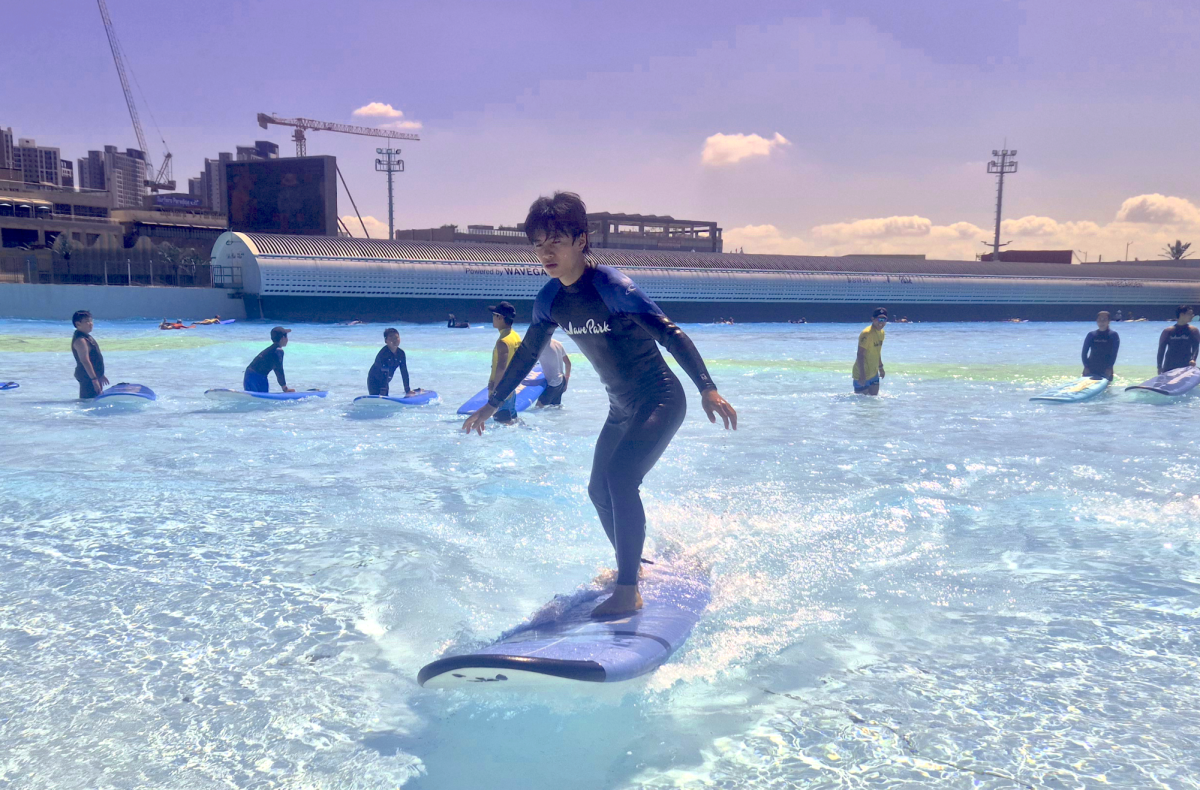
[128,267]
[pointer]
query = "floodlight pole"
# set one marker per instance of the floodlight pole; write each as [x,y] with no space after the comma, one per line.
[389,164]
[1000,168]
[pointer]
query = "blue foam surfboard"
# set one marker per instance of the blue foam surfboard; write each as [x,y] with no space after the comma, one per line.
[242,395]
[528,391]
[227,321]
[125,393]
[387,401]
[1179,381]
[8,385]
[1075,391]
[562,643]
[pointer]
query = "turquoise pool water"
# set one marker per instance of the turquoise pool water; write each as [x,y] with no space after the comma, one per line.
[948,585]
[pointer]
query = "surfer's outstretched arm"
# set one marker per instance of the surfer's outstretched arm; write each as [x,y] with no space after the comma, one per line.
[668,334]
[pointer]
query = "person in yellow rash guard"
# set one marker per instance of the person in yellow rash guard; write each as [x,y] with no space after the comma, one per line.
[868,366]
[505,349]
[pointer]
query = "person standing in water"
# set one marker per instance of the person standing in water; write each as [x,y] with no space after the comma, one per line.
[89,362]
[868,365]
[389,359]
[503,315]
[616,327]
[269,359]
[556,366]
[1179,344]
[1100,349]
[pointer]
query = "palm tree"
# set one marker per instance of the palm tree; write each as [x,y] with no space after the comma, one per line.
[1178,250]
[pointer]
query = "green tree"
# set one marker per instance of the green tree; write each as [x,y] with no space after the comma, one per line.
[63,246]
[1177,251]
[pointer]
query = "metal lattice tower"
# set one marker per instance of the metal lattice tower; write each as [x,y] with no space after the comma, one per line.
[1000,169]
[389,164]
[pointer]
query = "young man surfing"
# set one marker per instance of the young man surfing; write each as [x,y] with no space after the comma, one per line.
[1179,343]
[868,364]
[616,327]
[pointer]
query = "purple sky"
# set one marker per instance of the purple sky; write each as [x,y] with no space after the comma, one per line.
[887,111]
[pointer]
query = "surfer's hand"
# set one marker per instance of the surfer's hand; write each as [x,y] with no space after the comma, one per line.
[714,404]
[882,372]
[476,421]
[288,389]
[102,381]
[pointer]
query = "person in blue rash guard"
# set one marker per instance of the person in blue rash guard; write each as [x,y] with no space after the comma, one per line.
[389,359]
[616,327]
[1100,349]
[269,359]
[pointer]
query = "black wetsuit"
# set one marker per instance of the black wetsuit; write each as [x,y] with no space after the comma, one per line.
[1100,353]
[269,359]
[86,388]
[1177,347]
[616,326]
[380,377]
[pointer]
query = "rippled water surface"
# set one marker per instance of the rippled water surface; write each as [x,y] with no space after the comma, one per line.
[946,586]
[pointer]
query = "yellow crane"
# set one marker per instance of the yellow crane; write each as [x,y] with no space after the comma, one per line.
[307,124]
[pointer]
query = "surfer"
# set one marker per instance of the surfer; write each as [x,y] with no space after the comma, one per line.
[556,366]
[615,326]
[1100,349]
[1179,344]
[870,355]
[269,359]
[387,361]
[503,315]
[89,362]
[207,321]
[454,323]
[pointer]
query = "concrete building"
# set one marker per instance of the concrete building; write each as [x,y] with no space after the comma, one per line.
[262,149]
[91,171]
[66,174]
[125,176]
[606,231]
[329,278]
[212,182]
[38,164]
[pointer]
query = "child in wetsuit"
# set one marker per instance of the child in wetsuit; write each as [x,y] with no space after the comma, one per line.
[616,327]
[387,361]
[269,359]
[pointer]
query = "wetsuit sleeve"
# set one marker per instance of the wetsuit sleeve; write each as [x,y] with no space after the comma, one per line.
[1162,347]
[279,368]
[622,296]
[1195,343]
[522,362]
[404,372]
[673,339]
[1087,346]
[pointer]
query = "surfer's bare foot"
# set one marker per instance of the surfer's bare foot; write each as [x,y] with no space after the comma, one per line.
[624,600]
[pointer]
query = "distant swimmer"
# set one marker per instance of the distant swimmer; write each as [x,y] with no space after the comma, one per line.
[1120,316]
[868,365]
[1179,344]
[503,315]
[269,359]
[453,323]
[207,321]
[89,362]
[389,359]
[556,366]
[616,327]
[1100,349]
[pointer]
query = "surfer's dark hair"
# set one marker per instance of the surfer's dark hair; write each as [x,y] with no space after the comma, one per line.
[391,330]
[80,315]
[561,215]
[1183,308]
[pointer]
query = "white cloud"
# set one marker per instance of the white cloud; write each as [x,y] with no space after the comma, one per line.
[402,125]
[728,149]
[378,110]
[377,228]
[1146,222]
[1159,209]
[884,227]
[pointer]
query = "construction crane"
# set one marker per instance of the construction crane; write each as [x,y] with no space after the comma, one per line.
[302,124]
[155,181]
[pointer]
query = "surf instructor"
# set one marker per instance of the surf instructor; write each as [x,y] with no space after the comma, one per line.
[1100,349]
[868,364]
[89,362]
[616,327]
[1179,343]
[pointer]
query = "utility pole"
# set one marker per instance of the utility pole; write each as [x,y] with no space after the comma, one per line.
[390,164]
[1000,169]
